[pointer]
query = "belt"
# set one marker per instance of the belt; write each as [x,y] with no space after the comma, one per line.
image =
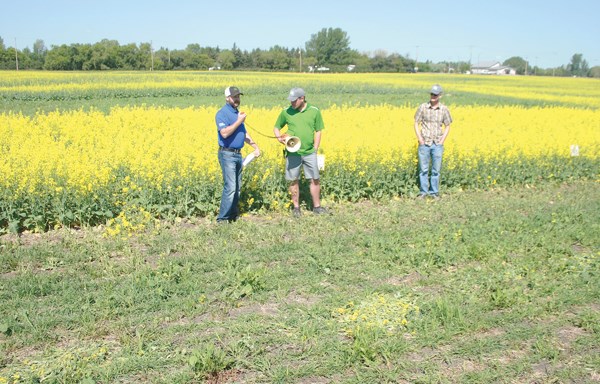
[235,150]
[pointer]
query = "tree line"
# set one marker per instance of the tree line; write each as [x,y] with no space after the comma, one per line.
[327,50]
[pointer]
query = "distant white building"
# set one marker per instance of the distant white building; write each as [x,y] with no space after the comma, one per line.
[492,68]
[319,69]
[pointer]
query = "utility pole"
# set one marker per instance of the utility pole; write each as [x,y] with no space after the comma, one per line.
[16,55]
[417,60]
[151,57]
[300,53]
[470,54]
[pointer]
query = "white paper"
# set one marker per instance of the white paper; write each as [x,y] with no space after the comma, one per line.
[574,150]
[248,159]
[321,162]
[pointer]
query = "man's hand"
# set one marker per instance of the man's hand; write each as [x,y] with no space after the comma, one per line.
[282,138]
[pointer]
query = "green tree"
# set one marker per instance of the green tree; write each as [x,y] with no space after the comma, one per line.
[38,55]
[82,54]
[59,58]
[239,56]
[518,63]
[7,56]
[578,66]
[361,62]
[162,59]
[140,58]
[330,47]
[129,57]
[226,59]
[282,58]
[25,59]
[4,59]
[105,55]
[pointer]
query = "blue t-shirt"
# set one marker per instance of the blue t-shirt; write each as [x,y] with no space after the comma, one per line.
[224,118]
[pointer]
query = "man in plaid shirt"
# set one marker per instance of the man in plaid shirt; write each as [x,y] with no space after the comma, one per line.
[432,124]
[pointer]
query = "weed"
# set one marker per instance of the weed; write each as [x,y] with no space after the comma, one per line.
[209,361]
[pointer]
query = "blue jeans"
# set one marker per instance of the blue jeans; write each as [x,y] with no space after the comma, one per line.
[231,167]
[430,154]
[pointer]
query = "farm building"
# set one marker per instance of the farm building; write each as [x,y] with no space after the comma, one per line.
[492,68]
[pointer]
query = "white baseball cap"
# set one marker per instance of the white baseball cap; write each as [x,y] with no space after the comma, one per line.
[232,91]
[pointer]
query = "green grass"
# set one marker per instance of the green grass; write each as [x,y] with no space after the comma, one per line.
[507,285]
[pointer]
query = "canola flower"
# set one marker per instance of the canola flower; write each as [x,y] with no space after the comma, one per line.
[390,313]
[71,365]
[131,165]
[84,165]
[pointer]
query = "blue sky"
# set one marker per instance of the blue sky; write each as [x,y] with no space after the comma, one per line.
[546,33]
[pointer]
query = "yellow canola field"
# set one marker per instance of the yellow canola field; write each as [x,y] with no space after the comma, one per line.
[81,150]
[94,160]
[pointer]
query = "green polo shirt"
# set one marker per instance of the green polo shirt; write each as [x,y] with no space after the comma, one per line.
[303,125]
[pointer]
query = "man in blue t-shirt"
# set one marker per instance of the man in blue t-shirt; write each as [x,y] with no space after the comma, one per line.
[232,135]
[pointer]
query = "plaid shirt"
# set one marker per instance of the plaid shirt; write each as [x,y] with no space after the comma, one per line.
[432,119]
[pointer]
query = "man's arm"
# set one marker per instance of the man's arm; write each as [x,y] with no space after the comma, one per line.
[446,131]
[230,129]
[418,133]
[251,142]
[317,142]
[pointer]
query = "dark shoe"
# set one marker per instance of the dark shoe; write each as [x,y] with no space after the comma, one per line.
[320,211]
[296,212]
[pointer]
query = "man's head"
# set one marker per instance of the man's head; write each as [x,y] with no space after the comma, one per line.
[435,92]
[296,97]
[232,95]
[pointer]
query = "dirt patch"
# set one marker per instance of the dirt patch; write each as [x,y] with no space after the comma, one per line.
[295,298]
[409,279]
[314,380]
[422,355]
[229,376]
[542,369]
[567,335]
[578,248]
[30,239]
[457,367]
[492,332]
[268,309]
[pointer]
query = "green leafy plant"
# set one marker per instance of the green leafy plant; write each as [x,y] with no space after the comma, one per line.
[209,361]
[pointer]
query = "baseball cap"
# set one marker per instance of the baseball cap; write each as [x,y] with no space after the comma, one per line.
[436,89]
[295,93]
[232,91]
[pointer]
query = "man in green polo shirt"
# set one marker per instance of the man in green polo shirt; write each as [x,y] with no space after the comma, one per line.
[304,121]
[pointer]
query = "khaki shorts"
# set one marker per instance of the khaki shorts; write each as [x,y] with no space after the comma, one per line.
[308,162]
